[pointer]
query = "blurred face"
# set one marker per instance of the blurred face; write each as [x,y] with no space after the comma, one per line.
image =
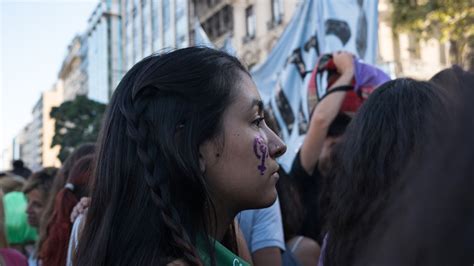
[324,162]
[34,208]
[240,166]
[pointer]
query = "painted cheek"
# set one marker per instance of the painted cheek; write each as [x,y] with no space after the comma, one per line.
[261,152]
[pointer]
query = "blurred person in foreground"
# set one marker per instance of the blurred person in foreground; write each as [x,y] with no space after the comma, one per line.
[389,131]
[430,215]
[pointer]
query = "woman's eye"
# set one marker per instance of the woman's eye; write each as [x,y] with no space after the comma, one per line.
[258,121]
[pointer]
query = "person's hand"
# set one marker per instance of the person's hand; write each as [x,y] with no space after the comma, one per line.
[80,208]
[344,62]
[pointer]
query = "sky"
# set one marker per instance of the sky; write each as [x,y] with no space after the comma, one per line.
[34,36]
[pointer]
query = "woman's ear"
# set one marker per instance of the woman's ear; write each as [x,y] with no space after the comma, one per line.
[207,151]
[202,164]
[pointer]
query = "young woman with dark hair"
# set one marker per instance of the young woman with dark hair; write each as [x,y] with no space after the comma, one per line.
[390,130]
[54,249]
[183,148]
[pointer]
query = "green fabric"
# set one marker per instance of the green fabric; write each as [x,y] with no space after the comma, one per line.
[224,257]
[16,222]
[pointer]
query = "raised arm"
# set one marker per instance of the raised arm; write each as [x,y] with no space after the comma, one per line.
[325,112]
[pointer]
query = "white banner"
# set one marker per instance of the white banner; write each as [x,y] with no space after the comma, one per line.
[326,25]
[349,25]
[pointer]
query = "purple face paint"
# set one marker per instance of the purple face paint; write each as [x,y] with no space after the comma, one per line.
[261,151]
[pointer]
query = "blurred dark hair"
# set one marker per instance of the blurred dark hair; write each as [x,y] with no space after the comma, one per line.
[291,205]
[18,164]
[54,249]
[339,125]
[59,182]
[430,216]
[390,130]
[451,79]
[149,198]
[10,182]
[41,180]
[20,169]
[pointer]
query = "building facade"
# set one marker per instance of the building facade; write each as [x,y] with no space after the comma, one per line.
[404,53]
[28,147]
[34,138]
[255,26]
[33,143]
[150,26]
[51,98]
[104,56]
[7,158]
[72,72]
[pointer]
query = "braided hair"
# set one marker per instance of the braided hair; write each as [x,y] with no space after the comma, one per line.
[149,198]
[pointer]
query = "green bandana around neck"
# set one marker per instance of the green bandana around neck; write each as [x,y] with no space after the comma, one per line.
[224,257]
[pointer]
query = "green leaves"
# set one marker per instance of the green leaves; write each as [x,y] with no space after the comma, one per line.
[446,20]
[77,122]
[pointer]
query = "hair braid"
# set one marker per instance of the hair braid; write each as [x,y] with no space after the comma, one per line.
[138,129]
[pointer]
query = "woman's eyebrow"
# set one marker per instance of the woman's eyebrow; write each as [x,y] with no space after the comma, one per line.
[258,103]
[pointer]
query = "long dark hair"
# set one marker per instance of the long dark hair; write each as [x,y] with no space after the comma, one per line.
[389,131]
[58,184]
[54,249]
[429,219]
[149,198]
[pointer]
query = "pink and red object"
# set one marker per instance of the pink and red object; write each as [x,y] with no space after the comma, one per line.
[366,79]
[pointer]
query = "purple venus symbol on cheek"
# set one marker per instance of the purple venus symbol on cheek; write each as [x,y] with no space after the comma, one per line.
[261,151]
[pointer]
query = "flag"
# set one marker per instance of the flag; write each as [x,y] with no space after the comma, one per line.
[283,78]
[228,47]
[200,36]
[349,25]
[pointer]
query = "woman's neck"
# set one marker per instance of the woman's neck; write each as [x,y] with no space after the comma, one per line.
[220,222]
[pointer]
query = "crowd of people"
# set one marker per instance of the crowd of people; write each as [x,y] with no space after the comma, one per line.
[185,172]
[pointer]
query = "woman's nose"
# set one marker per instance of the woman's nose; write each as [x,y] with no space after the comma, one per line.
[276,146]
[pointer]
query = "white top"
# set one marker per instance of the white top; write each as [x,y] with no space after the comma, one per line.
[74,239]
[262,228]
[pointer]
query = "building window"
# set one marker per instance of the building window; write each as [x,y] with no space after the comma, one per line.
[136,40]
[129,45]
[168,31]
[146,40]
[277,11]
[250,23]
[181,19]
[126,12]
[220,23]
[156,18]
